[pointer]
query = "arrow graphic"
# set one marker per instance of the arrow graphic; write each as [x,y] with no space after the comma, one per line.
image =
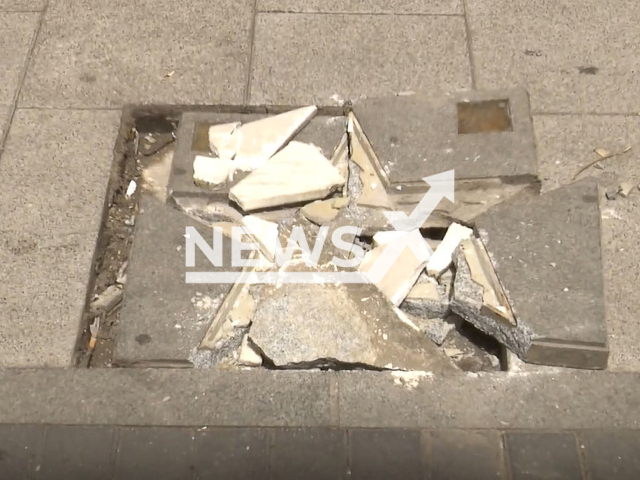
[442,185]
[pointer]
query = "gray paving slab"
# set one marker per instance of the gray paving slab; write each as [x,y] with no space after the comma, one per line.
[340,327]
[565,143]
[97,55]
[239,453]
[516,401]
[154,453]
[370,6]
[21,451]
[324,131]
[16,34]
[543,455]
[546,252]
[418,135]
[380,454]
[375,55]
[55,170]
[308,453]
[21,5]
[78,452]
[162,316]
[566,70]
[192,397]
[464,454]
[611,454]
[295,399]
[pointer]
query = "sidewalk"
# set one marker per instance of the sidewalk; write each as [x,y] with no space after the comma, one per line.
[59,452]
[67,70]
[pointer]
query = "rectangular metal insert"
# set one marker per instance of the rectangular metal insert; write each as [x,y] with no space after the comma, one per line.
[484,117]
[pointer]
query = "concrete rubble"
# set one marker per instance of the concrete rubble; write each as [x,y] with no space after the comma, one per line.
[225,139]
[427,298]
[323,325]
[322,212]
[211,172]
[402,274]
[479,264]
[106,301]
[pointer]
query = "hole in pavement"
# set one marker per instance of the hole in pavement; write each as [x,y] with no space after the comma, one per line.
[150,140]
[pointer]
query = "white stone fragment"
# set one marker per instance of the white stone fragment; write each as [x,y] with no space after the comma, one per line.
[263,138]
[248,355]
[443,256]
[264,232]
[211,172]
[131,189]
[381,239]
[409,380]
[107,300]
[401,275]
[298,173]
[224,139]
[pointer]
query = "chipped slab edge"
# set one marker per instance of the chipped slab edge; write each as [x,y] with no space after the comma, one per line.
[211,337]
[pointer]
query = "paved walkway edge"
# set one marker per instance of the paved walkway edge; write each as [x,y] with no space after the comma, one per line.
[165,397]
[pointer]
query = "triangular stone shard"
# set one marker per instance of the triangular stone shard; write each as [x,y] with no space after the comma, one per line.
[263,138]
[265,233]
[298,173]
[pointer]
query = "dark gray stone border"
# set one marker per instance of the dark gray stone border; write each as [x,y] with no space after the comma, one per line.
[171,397]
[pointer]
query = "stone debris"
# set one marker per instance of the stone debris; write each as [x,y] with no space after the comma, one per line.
[402,273]
[424,297]
[264,232]
[224,139]
[105,302]
[243,309]
[152,143]
[315,325]
[437,329]
[427,299]
[156,172]
[262,138]
[248,356]
[468,301]
[298,173]
[453,353]
[224,323]
[410,380]
[625,189]
[211,172]
[322,212]
[442,258]
[131,189]
[122,273]
[381,239]
[372,188]
[483,274]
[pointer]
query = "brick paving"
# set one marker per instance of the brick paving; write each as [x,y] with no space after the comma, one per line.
[67,452]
